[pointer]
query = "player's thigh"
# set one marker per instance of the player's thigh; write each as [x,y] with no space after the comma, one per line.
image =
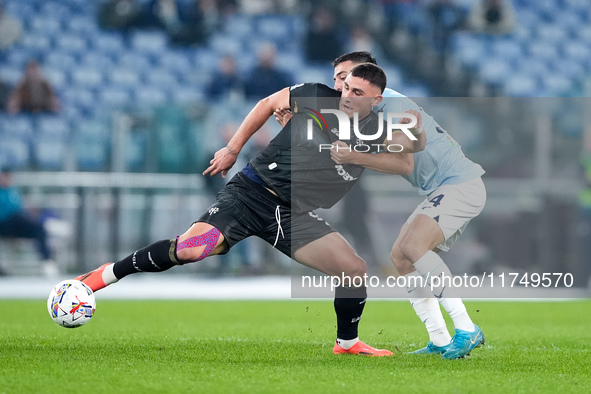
[403,265]
[332,255]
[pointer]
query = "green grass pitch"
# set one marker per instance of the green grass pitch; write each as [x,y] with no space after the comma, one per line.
[285,346]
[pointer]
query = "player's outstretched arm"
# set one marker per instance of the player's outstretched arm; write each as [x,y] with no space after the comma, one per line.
[398,163]
[225,158]
[408,144]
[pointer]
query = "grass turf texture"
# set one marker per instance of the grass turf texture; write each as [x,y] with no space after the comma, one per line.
[285,346]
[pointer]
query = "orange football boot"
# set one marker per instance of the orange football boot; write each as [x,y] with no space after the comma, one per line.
[361,349]
[94,279]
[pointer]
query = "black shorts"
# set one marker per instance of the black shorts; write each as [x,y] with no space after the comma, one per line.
[244,208]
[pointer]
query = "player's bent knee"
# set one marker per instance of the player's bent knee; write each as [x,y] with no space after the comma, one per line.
[198,247]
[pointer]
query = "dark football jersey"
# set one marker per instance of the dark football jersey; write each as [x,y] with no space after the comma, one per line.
[295,167]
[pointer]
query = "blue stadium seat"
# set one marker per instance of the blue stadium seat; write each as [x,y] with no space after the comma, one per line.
[17,126]
[96,60]
[178,63]
[82,24]
[11,75]
[115,96]
[91,146]
[150,96]
[187,95]
[135,61]
[50,153]
[124,77]
[35,42]
[224,44]
[521,85]
[87,77]
[161,78]
[45,26]
[109,43]
[52,126]
[71,43]
[494,71]
[61,61]
[82,98]
[14,152]
[56,77]
[558,85]
[150,42]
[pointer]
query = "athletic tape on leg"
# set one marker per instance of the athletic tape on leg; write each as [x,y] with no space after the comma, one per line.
[209,239]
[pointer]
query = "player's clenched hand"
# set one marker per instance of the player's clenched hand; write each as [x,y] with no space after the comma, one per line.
[222,161]
[341,153]
[282,116]
[419,126]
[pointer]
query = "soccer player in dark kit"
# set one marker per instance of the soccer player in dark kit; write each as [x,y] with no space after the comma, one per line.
[274,195]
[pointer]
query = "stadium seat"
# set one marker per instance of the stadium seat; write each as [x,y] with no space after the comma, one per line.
[494,71]
[45,26]
[150,96]
[35,42]
[56,78]
[71,43]
[187,95]
[52,126]
[50,153]
[521,86]
[161,78]
[87,77]
[81,25]
[91,146]
[115,97]
[150,42]
[558,85]
[108,43]
[14,151]
[11,75]
[60,61]
[124,77]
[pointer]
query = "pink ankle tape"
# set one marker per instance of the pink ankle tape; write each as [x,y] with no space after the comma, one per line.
[209,239]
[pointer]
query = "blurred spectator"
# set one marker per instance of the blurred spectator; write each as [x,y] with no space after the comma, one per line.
[10,29]
[5,90]
[446,17]
[265,79]
[33,93]
[361,40]
[492,17]
[322,41]
[17,222]
[163,14]
[226,82]
[119,14]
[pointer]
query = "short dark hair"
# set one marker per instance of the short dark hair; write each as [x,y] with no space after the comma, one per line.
[355,57]
[372,73]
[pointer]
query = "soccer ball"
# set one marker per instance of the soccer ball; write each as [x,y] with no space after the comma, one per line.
[71,303]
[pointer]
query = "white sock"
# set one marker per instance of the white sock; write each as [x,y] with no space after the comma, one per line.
[428,311]
[347,343]
[431,265]
[108,275]
[457,311]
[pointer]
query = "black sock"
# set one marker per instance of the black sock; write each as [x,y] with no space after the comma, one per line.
[348,305]
[157,257]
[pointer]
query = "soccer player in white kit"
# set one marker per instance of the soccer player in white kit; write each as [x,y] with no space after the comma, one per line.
[455,194]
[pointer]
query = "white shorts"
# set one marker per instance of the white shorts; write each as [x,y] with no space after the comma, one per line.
[453,206]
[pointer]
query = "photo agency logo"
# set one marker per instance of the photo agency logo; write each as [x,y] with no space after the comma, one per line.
[362,141]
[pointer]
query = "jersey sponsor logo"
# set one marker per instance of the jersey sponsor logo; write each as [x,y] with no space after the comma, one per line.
[342,172]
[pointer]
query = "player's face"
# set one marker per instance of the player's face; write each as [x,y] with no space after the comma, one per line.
[340,74]
[359,96]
